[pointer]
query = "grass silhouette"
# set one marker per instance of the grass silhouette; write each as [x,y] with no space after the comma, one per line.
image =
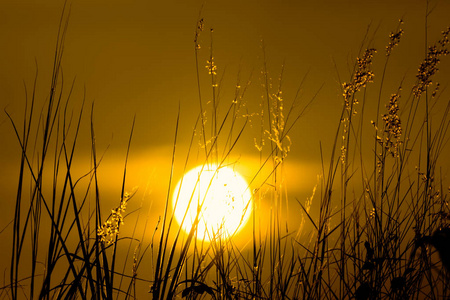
[380,231]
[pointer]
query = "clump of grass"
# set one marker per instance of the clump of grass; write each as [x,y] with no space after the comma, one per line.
[72,252]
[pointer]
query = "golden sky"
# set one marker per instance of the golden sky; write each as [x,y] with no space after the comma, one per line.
[136,58]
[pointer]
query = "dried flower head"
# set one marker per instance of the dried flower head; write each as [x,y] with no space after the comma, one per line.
[392,126]
[363,75]
[429,66]
[277,133]
[110,229]
[198,30]
[394,39]
[343,154]
[212,68]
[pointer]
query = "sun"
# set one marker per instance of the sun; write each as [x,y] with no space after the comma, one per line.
[217,197]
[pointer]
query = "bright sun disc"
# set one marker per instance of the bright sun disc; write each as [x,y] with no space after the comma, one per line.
[223,196]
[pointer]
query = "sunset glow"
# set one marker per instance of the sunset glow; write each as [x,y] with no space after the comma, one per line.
[220,194]
[225,149]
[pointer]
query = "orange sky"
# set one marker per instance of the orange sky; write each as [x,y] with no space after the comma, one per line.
[137,57]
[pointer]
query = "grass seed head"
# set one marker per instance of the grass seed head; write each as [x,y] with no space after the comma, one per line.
[429,67]
[392,126]
[394,39]
[110,229]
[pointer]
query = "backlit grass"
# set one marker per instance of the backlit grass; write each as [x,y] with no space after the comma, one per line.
[375,226]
